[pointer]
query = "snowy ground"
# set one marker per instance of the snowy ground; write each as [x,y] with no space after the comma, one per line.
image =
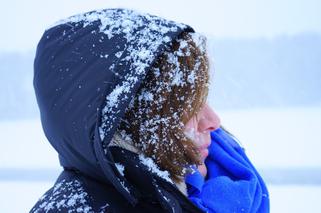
[283,143]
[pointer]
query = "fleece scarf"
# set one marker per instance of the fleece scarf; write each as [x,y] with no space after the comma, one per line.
[232,183]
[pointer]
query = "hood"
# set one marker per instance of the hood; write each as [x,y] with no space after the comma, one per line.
[87,69]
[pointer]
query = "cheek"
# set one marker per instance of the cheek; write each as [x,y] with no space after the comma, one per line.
[191,124]
[199,138]
[190,129]
[193,132]
[206,136]
[204,139]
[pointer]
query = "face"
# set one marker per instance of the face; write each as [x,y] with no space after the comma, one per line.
[198,129]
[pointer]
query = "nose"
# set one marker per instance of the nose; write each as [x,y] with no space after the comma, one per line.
[209,120]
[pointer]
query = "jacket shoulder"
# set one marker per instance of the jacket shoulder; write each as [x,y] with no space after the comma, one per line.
[67,195]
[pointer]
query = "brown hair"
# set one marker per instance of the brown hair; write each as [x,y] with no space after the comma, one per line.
[172,93]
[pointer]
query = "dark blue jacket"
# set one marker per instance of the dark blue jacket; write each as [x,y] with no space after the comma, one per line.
[86,70]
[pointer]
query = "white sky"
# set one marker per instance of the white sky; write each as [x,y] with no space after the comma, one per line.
[23,22]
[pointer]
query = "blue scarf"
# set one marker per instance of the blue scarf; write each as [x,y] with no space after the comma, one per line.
[232,183]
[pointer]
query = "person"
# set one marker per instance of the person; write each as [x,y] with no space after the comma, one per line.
[123,100]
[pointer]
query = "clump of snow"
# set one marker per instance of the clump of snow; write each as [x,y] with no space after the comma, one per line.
[178,78]
[120,168]
[191,77]
[146,96]
[200,41]
[123,185]
[68,195]
[104,56]
[118,54]
[151,165]
[190,133]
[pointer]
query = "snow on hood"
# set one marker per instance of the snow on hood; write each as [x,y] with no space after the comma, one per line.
[86,71]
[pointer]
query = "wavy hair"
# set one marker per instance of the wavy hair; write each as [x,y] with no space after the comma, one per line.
[173,92]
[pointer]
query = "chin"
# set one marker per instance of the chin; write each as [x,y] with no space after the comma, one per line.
[202,169]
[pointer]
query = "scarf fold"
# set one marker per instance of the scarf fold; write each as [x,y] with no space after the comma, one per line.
[232,183]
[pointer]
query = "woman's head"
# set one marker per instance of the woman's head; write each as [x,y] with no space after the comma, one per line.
[173,93]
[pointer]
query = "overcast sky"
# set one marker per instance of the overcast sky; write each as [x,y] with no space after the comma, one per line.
[23,22]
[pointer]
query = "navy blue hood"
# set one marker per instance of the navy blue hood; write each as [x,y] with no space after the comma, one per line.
[86,71]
